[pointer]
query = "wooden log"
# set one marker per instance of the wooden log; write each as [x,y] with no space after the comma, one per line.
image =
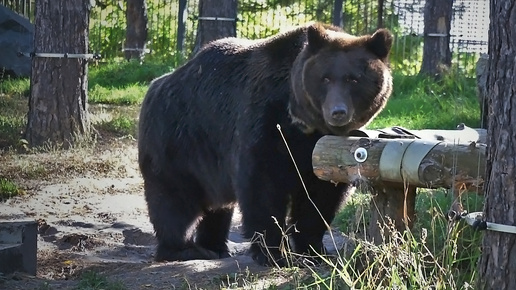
[414,162]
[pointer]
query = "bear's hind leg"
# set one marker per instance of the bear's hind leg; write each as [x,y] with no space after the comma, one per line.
[174,215]
[212,231]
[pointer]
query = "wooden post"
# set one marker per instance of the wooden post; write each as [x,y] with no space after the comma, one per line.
[392,207]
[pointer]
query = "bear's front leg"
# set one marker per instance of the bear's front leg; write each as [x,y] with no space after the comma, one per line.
[312,213]
[263,204]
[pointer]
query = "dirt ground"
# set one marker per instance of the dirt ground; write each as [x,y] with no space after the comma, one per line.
[92,215]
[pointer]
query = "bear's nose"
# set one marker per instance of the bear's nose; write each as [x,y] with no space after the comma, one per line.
[339,112]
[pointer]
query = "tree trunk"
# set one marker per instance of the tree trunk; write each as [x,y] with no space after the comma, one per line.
[181,26]
[436,49]
[136,32]
[58,99]
[337,13]
[497,267]
[381,4]
[482,73]
[217,19]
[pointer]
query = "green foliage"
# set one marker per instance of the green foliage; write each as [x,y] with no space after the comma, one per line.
[15,87]
[129,95]
[108,24]
[420,102]
[120,125]
[8,189]
[94,281]
[119,73]
[121,82]
[407,54]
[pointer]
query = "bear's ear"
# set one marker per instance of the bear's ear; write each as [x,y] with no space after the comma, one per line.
[380,43]
[317,37]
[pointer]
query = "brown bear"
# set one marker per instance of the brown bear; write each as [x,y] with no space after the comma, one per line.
[208,138]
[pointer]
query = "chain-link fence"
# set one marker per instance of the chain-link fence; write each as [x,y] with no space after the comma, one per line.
[261,18]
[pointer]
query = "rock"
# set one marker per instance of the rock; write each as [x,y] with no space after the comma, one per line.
[16,35]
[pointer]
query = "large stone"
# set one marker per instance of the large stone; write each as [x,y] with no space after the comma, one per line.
[16,35]
[18,246]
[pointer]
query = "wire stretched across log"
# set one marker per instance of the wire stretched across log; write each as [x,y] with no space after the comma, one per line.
[417,162]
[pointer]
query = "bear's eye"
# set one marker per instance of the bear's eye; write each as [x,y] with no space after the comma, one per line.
[326,80]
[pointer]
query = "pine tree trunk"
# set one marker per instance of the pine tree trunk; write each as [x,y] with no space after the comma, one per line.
[136,32]
[436,49]
[217,19]
[497,267]
[58,99]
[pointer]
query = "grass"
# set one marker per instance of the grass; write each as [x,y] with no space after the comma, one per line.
[8,189]
[120,126]
[91,280]
[435,254]
[424,103]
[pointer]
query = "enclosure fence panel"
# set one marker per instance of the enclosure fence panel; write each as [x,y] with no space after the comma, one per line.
[172,25]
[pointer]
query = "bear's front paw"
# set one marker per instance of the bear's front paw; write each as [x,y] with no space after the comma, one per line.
[190,253]
[268,257]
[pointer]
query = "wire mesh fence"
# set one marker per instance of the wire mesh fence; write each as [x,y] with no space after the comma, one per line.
[172,25]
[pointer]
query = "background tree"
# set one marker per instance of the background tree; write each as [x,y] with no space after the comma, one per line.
[497,267]
[208,28]
[137,29]
[436,49]
[58,98]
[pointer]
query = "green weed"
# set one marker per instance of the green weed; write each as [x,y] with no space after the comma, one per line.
[92,281]
[435,254]
[120,125]
[8,189]
[15,86]
[13,110]
[120,73]
[128,95]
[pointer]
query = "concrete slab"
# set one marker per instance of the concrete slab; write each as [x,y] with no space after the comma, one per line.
[18,247]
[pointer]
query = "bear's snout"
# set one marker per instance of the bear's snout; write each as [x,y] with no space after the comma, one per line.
[338,115]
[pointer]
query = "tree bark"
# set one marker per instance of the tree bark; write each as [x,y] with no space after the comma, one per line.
[436,49]
[58,99]
[136,32]
[482,72]
[337,13]
[217,19]
[181,25]
[497,266]
[379,23]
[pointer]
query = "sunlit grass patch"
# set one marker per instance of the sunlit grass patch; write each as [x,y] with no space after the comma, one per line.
[8,189]
[128,95]
[420,102]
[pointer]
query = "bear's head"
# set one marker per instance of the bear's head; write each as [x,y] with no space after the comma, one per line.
[340,82]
